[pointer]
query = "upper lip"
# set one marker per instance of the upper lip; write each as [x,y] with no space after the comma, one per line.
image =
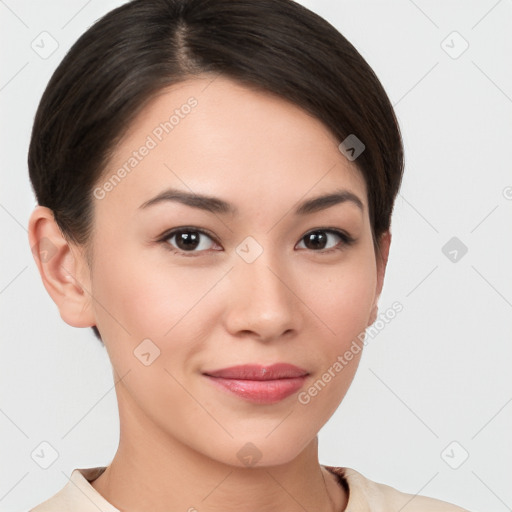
[259,372]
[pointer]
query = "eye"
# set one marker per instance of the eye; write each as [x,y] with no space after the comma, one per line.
[190,240]
[326,240]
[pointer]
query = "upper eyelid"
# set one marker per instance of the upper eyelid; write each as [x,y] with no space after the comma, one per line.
[174,231]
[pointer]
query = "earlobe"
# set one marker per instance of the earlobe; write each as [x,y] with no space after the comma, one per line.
[63,269]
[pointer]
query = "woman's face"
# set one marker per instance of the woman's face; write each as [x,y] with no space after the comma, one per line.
[247,282]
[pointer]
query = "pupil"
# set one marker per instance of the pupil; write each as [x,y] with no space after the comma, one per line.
[316,240]
[188,240]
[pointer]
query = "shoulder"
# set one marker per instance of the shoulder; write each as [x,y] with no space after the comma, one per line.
[368,496]
[77,495]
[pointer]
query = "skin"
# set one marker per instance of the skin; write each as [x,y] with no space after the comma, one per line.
[180,435]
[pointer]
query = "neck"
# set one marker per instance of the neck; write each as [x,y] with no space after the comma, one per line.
[152,471]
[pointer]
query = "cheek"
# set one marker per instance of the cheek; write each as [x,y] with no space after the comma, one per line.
[146,297]
[343,297]
[147,309]
[344,307]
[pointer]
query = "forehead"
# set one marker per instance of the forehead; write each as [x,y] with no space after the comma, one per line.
[213,135]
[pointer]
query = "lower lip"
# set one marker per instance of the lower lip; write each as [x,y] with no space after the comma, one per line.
[260,391]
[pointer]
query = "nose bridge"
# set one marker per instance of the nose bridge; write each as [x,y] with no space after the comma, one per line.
[262,300]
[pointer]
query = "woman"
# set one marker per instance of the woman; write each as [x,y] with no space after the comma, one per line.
[215,182]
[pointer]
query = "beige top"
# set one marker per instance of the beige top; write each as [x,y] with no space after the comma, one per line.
[78,495]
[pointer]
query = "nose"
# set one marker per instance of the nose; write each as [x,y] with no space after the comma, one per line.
[262,303]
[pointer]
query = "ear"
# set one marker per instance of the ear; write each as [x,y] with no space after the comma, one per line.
[63,269]
[381,262]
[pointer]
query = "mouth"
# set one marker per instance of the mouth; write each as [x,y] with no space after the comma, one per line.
[259,384]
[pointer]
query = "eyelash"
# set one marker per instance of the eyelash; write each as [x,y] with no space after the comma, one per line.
[346,240]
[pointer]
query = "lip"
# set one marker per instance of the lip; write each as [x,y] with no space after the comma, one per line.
[260,384]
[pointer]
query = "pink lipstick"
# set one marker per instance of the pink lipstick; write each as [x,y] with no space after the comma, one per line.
[260,384]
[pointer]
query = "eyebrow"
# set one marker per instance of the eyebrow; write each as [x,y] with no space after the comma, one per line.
[219,206]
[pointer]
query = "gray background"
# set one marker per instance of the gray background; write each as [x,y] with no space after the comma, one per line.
[434,385]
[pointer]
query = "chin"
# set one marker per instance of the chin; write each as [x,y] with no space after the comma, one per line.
[260,451]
